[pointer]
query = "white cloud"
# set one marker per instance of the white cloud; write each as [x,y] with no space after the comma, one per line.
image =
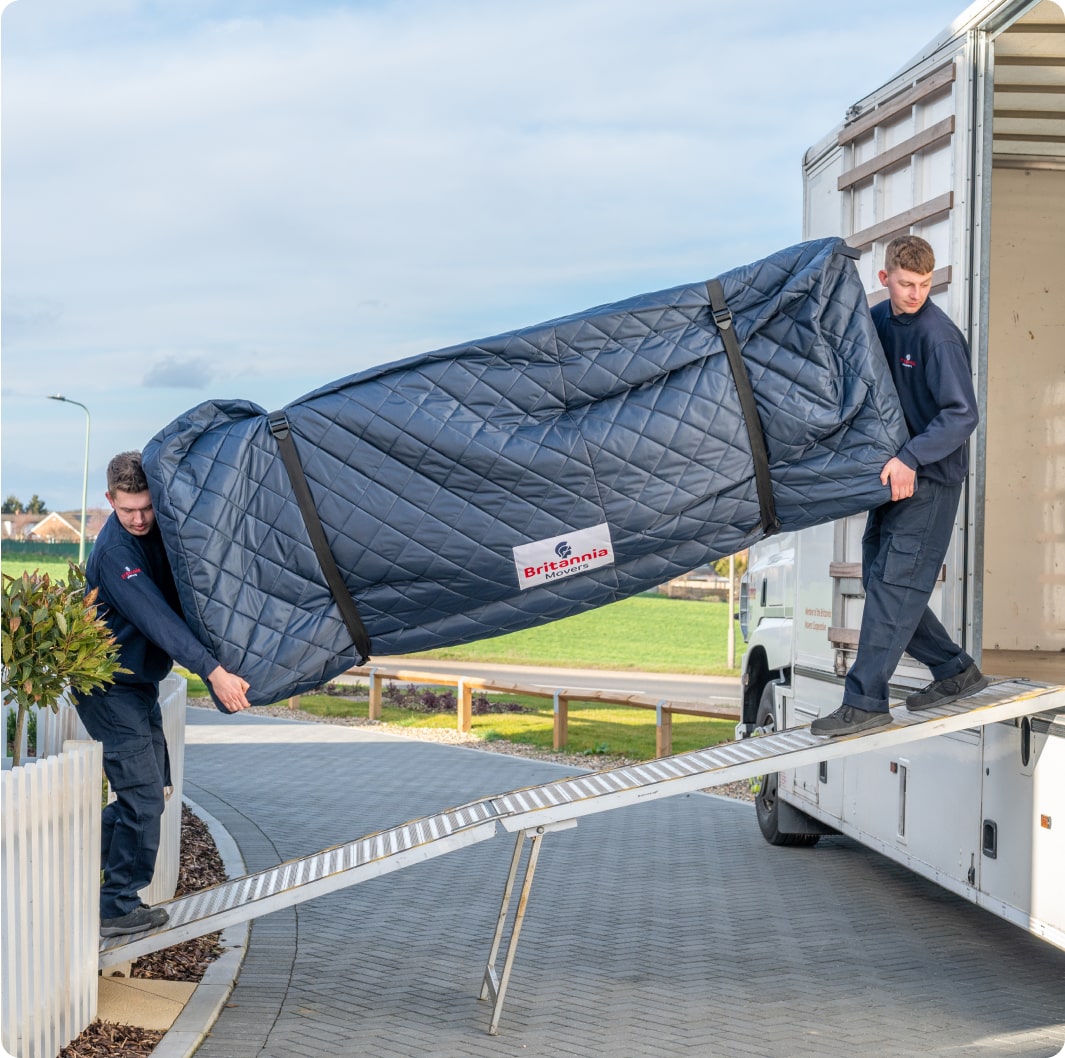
[270,196]
[179,372]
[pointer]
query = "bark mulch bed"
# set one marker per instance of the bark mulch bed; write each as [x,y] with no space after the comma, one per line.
[104,1040]
[201,866]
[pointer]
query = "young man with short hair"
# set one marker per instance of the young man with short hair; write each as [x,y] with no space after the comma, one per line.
[906,539]
[139,603]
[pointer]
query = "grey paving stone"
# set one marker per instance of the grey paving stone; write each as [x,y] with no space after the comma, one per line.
[665,929]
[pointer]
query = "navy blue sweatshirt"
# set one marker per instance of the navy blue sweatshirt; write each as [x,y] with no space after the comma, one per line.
[929,360]
[139,603]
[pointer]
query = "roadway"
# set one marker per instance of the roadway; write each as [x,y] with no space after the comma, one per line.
[676,687]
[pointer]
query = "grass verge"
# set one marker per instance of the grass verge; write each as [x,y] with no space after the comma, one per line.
[56,568]
[648,633]
[594,729]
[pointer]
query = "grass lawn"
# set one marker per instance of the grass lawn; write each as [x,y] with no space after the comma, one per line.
[649,633]
[16,565]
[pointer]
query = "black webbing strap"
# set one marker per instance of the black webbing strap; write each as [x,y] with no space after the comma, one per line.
[283,435]
[723,318]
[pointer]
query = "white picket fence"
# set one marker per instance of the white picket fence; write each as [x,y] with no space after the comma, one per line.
[50,846]
[51,908]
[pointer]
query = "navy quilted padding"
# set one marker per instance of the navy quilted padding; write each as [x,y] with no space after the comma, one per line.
[428,473]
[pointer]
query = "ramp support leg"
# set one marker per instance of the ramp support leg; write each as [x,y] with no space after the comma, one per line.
[494,986]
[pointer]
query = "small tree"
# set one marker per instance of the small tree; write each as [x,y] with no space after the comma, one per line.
[12,505]
[52,639]
[36,505]
[721,565]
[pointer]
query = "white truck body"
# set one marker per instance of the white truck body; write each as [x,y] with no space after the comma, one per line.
[965,147]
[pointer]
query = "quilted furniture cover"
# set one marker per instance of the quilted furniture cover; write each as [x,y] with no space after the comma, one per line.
[488,487]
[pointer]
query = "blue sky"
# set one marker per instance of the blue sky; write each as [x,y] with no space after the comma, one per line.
[205,199]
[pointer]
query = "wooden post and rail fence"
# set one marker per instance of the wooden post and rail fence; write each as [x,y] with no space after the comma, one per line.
[377,675]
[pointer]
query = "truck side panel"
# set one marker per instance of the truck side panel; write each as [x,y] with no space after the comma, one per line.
[967,150]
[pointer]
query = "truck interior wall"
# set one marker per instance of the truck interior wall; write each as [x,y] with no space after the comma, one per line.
[1024,559]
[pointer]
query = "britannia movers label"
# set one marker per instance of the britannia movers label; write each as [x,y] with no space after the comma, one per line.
[563,556]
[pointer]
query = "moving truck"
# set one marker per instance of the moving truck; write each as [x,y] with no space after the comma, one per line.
[965,147]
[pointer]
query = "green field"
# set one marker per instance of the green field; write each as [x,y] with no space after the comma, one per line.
[16,565]
[649,633]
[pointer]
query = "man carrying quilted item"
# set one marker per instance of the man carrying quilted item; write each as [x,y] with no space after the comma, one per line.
[906,540]
[138,601]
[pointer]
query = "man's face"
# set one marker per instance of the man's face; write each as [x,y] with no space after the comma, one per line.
[907,290]
[134,511]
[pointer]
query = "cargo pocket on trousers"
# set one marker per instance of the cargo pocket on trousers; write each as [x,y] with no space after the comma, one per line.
[906,566]
[132,764]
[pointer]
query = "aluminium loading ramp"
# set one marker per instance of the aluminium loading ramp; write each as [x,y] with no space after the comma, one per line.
[536,810]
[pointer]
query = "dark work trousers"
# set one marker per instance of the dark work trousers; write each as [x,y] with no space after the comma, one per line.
[902,552]
[127,719]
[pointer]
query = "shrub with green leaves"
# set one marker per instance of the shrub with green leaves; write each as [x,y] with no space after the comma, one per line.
[52,640]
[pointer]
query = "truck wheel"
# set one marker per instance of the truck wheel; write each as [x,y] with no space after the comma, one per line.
[765,803]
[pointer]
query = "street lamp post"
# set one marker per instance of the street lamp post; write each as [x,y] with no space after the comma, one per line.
[85,477]
[731,638]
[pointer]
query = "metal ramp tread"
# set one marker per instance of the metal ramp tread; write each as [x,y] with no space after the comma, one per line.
[554,803]
[301,879]
[1002,700]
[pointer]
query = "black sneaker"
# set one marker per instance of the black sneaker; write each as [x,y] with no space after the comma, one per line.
[943,692]
[847,720]
[138,920]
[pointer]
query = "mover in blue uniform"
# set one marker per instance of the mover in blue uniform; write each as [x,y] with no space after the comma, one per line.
[138,601]
[906,540]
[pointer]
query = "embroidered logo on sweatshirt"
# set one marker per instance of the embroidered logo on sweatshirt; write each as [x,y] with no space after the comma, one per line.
[907,361]
[130,572]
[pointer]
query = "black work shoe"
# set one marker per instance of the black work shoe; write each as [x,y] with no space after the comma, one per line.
[138,920]
[847,720]
[943,692]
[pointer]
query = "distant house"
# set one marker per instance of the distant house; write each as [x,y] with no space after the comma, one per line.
[95,518]
[56,527]
[17,526]
[701,583]
[53,528]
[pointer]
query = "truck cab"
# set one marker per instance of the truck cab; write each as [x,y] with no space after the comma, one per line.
[767,608]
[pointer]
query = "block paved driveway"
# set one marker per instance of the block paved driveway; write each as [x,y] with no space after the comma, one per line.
[668,928]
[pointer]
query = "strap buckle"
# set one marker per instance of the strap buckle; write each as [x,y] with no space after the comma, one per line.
[722,317]
[278,423]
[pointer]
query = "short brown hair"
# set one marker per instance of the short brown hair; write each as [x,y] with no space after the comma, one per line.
[126,474]
[910,252]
